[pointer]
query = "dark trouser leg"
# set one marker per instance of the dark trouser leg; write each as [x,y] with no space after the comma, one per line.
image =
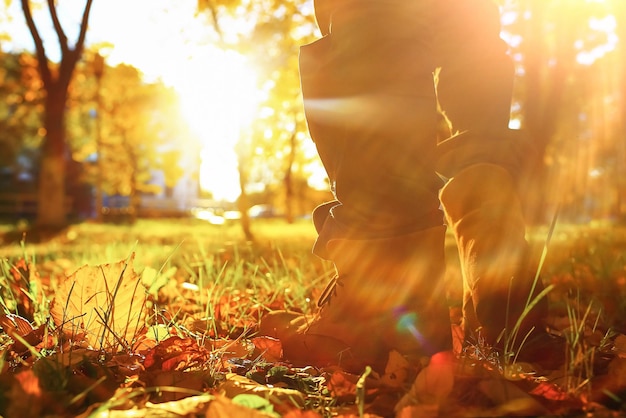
[480,200]
[371,108]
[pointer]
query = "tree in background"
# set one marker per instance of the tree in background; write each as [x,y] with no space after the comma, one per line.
[566,88]
[21,103]
[280,132]
[132,128]
[55,78]
[143,130]
[272,151]
[572,107]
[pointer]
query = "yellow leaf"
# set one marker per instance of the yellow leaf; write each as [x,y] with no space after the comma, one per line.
[102,304]
[396,370]
[236,385]
[188,406]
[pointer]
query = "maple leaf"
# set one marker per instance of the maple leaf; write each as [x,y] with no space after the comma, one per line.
[102,304]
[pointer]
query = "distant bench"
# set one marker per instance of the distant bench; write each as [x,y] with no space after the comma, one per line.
[14,204]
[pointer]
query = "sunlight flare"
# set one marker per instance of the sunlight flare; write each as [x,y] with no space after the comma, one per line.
[220,98]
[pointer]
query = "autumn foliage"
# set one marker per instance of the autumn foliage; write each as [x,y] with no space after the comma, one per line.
[170,342]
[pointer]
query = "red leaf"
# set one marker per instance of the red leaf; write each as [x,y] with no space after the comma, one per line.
[549,391]
[342,385]
[175,353]
[269,348]
[15,324]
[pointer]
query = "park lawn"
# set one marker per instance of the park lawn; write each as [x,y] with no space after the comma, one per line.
[179,337]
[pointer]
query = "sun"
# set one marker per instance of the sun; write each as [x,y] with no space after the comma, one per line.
[219,98]
[217,88]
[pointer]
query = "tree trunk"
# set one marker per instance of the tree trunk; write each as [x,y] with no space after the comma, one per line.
[51,212]
[543,88]
[288,180]
[51,207]
[243,204]
[620,15]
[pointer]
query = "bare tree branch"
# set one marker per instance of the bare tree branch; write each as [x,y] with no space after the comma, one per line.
[58,28]
[83,28]
[70,57]
[40,51]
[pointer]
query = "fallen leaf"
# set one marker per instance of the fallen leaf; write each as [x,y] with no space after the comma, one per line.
[396,370]
[237,385]
[105,304]
[222,407]
[269,348]
[23,334]
[620,345]
[23,397]
[549,391]
[239,348]
[15,324]
[608,388]
[433,385]
[342,385]
[617,370]
[436,381]
[29,383]
[255,402]
[510,399]
[299,413]
[419,411]
[180,384]
[187,407]
[518,371]
[175,353]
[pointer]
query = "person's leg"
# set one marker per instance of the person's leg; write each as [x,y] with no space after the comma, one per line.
[371,108]
[480,200]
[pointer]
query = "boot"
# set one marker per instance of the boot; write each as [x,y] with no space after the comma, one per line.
[482,207]
[388,294]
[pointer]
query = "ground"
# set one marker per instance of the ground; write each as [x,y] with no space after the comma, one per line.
[161,323]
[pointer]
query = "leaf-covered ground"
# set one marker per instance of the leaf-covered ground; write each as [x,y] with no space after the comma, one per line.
[158,319]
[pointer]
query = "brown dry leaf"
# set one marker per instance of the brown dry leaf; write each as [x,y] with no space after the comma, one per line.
[431,388]
[236,385]
[180,385]
[230,348]
[549,391]
[620,345]
[175,353]
[104,304]
[396,370]
[269,348]
[419,411]
[511,400]
[29,383]
[15,325]
[341,385]
[436,381]
[518,371]
[24,397]
[23,334]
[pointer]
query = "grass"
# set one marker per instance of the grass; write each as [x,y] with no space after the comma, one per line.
[207,286]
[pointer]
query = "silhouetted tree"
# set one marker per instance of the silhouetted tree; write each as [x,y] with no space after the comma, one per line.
[56,79]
